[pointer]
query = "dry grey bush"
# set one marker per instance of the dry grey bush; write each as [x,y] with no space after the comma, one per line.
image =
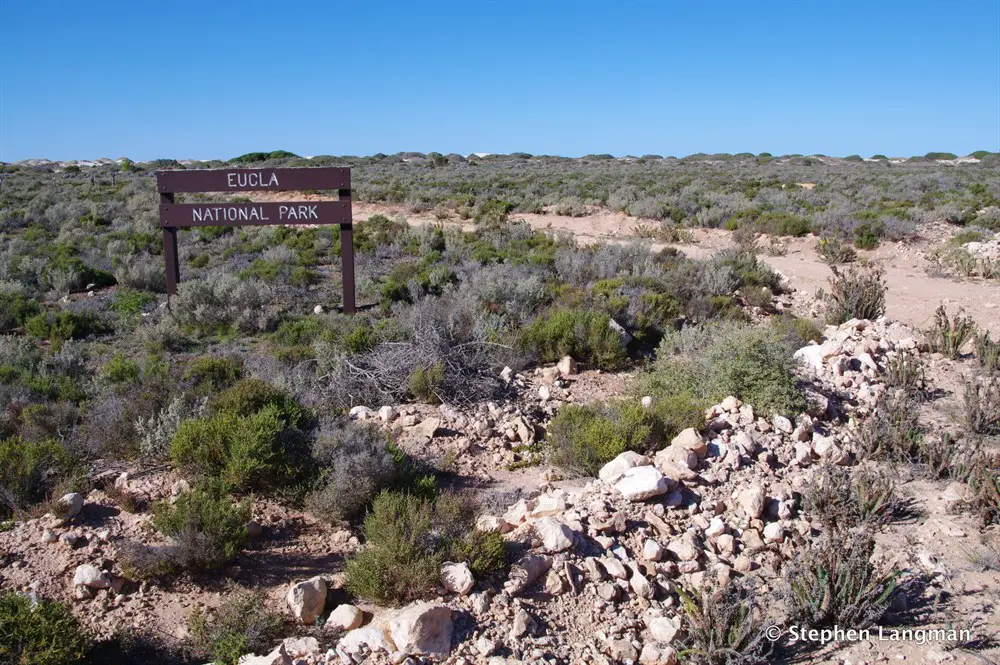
[222,300]
[443,332]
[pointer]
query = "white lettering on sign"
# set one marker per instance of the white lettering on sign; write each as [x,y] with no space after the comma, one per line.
[228,214]
[298,213]
[251,179]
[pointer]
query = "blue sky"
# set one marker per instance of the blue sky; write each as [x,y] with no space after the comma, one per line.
[213,79]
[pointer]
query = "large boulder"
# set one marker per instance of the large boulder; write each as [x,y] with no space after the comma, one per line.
[91,577]
[616,468]
[526,571]
[306,599]
[752,500]
[677,462]
[423,629]
[643,482]
[691,439]
[69,505]
[555,536]
[457,578]
[345,617]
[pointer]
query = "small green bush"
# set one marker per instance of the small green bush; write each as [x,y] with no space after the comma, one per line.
[949,335]
[249,396]
[987,353]
[57,327]
[835,250]
[724,626]
[425,384]
[842,499]
[215,373]
[207,528]
[484,551]
[797,330]
[248,452]
[29,470]
[584,334]
[867,236]
[402,559]
[356,464]
[982,406]
[120,369]
[129,303]
[893,432]
[584,438]
[241,625]
[15,309]
[42,634]
[711,361]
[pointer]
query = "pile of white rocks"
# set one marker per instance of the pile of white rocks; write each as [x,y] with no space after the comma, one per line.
[854,356]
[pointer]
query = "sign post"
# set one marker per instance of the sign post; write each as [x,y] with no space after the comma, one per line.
[174,216]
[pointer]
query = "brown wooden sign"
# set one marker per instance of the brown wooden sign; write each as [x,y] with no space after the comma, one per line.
[175,216]
[249,180]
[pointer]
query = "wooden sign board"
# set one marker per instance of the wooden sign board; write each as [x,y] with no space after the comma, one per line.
[175,216]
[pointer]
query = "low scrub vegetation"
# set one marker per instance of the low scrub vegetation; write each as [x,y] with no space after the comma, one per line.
[835,583]
[206,530]
[949,334]
[709,362]
[724,625]
[45,633]
[856,293]
[408,537]
[241,625]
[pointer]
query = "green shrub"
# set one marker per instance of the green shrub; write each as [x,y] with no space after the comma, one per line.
[15,309]
[484,551]
[42,634]
[425,384]
[57,327]
[402,558]
[797,330]
[747,268]
[867,236]
[215,373]
[835,583]
[842,499]
[982,406]
[255,451]
[584,438]
[120,369]
[835,250]
[129,303]
[584,334]
[493,213]
[893,432]
[248,396]
[712,361]
[987,353]
[241,625]
[207,528]
[29,470]
[855,294]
